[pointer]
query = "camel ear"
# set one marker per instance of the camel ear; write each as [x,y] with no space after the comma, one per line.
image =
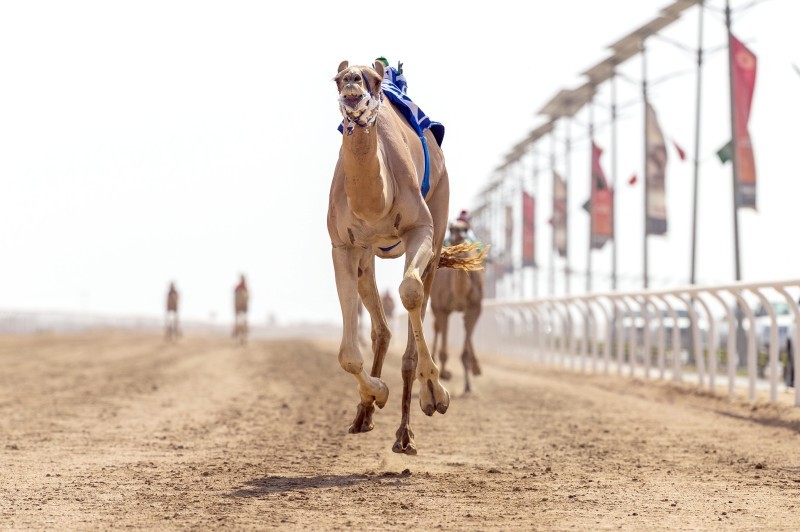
[343,65]
[379,70]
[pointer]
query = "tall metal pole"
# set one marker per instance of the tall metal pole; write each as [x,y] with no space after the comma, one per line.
[645,272]
[614,180]
[567,169]
[693,276]
[740,340]
[591,189]
[552,288]
[734,146]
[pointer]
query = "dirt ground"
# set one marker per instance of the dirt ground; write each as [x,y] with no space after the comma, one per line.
[117,430]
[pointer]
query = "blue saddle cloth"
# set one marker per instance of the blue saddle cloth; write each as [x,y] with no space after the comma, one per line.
[394,86]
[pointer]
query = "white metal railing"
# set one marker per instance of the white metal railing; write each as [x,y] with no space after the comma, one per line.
[674,332]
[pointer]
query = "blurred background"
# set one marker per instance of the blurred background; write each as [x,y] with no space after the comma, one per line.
[149,142]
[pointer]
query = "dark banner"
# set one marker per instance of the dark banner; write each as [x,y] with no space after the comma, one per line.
[601,203]
[559,215]
[744,83]
[528,229]
[655,175]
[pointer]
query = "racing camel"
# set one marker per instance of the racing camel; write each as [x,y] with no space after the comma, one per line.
[377,208]
[457,291]
[241,298]
[172,331]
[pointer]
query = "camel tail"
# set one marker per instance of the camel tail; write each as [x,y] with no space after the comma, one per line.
[467,257]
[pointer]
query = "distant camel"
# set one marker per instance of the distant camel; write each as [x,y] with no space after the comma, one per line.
[457,291]
[172,331]
[241,297]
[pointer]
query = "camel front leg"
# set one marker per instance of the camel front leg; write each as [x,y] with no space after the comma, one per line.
[414,290]
[404,442]
[345,266]
[381,335]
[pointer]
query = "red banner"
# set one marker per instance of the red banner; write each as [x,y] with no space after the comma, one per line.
[559,214]
[743,72]
[528,229]
[601,203]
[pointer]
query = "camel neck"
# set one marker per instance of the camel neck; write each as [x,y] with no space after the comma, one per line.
[365,185]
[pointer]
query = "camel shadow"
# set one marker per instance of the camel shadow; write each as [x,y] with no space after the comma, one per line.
[277,484]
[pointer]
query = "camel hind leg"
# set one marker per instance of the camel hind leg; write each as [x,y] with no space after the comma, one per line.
[440,324]
[468,358]
[380,335]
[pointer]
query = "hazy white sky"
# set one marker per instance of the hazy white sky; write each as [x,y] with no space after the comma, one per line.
[143,142]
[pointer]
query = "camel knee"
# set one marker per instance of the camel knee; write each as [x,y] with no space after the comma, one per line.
[381,334]
[409,364]
[350,363]
[412,293]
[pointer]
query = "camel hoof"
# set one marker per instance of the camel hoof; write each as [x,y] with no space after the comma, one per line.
[410,449]
[364,427]
[358,430]
[405,442]
[442,406]
[445,375]
[363,420]
[433,397]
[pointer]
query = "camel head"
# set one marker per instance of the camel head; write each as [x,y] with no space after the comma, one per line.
[360,94]
[458,232]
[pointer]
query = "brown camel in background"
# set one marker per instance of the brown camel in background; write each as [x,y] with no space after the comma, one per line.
[457,291]
[388,305]
[172,332]
[376,209]
[241,298]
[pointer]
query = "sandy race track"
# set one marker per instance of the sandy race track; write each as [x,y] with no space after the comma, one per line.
[123,431]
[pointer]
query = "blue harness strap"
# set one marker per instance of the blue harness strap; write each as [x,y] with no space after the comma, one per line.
[366,82]
[385,250]
[425,186]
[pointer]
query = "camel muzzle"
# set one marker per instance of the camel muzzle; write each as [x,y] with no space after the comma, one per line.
[352,100]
